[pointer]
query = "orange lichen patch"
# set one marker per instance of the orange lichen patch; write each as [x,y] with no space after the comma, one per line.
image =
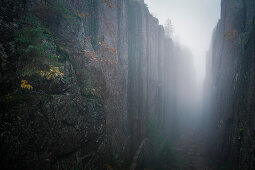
[117,4]
[25,85]
[91,54]
[114,50]
[87,16]
[108,3]
[105,53]
[82,15]
[107,48]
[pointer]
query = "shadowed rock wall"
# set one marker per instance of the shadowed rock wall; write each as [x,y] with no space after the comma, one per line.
[231,77]
[80,80]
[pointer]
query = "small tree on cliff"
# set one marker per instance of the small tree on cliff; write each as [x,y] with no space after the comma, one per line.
[169,28]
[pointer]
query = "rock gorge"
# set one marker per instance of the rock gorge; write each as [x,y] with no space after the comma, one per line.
[97,84]
[83,83]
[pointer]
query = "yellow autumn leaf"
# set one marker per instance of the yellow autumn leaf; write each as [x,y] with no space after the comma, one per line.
[25,85]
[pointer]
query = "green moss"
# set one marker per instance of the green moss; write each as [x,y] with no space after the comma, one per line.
[58,7]
[35,47]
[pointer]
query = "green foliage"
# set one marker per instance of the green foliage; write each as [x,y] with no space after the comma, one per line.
[58,7]
[53,73]
[35,47]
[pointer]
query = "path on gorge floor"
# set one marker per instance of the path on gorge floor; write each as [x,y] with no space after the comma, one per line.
[191,150]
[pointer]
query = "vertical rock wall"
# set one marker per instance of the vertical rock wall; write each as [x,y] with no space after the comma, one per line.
[151,74]
[112,73]
[231,73]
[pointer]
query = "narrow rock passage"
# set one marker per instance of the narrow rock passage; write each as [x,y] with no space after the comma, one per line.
[191,149]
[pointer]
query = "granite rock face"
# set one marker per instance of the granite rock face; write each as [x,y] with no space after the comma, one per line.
[152,82]
[100,71]
[230,80]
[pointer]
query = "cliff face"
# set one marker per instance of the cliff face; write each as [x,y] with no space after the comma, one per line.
[151,73]
[231,73]
[81,81]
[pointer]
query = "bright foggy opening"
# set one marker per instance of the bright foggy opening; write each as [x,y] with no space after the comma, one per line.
[193,23]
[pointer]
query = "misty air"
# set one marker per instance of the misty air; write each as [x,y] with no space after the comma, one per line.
[127,84]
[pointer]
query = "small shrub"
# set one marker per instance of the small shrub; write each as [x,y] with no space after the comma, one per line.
[35,47]
[25,85]
[53,73]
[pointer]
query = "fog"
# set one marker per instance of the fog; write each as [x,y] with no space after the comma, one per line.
[193,22]
[127,84]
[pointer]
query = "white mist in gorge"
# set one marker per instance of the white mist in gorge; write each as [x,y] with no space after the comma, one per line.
[127,84]
[193,23]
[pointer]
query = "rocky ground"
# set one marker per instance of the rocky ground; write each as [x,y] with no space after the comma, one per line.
[191,149]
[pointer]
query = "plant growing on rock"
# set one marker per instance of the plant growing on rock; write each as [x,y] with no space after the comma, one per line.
[104,51]
[110,3]
[230,35]
[35,47]
[25,85]
[53,73]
